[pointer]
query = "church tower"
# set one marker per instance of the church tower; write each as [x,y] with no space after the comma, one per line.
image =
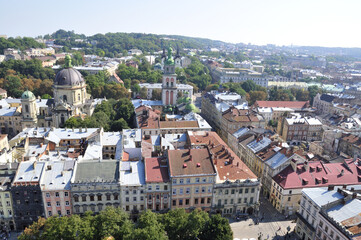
[169,82]
[28,110]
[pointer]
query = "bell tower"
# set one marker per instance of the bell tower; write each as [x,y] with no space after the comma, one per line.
[28,110]
[169,81]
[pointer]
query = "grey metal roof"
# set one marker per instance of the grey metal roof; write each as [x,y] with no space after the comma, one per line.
[92,171]
[68,76]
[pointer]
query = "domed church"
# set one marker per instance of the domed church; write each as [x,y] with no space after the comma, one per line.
[70,97]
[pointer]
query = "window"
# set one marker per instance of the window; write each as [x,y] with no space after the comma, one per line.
[290,191]
[115,196]
[202,200]
[157,187]
[67,203]
[225,201]
[57,203]
[48,204]
[126,208]
[196,201]
[289,199]
[240,191]
[196,190]
[209,189]
[246,190]
[67,212]
[92,198]
[180,202]
[108,197]
[181,181]
[141,198]
[174,181]
[231,201]
[127,199]
[134,199]
[251,200]
[187,201]
[174,192]
[204,180]
[252,190]
[76,199]
[149,188]
[99,197]
[245,200]
[48,195]
[50,213]
[197,180]
[226,191]
[208,200]
[239,200]
[134,191]
[203,189]
[232,191]
[66,194]
[174,202]
[188,180]
[57,194]
[165,187]
[83,198]
[181,191]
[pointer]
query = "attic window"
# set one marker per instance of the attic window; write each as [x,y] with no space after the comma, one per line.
[325,179]
[305,181]
[312,169]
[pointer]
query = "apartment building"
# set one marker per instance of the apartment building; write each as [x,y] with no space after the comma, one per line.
[157,184]
[287,186]
[95,185]
[55,187]
[192,177]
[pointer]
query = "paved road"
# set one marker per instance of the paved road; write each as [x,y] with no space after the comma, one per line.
[269,226]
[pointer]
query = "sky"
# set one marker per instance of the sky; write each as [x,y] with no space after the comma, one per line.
[328,23]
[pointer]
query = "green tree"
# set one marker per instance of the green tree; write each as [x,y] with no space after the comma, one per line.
[119,125]
[217,228]
[228,65]
[143,93]
[149,228]
[46,96]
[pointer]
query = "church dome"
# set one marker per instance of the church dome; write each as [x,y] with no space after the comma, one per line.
[68,76]
[27,95]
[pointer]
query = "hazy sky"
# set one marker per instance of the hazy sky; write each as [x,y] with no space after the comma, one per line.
[282,22]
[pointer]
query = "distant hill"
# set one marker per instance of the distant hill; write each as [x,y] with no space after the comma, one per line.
[114,43]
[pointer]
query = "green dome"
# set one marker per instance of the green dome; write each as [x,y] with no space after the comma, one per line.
[169,60]
[27,95]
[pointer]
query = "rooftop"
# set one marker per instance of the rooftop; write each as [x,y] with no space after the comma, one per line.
[96,171]
[318,174]
[190,162]
[57,175]
[29,171]
[322,196]
[156,170]
[287,104]
[132,173]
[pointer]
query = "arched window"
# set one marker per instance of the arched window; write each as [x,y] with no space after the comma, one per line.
[65,98]
[26,108]
[62,119]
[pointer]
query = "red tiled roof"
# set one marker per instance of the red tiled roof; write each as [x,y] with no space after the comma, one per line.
[156,170]
[334,173]
[178,124]
[288,104]
[229,165]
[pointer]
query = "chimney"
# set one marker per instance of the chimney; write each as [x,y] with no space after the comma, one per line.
[41,144]
[305,165]
[198,165]
[330,188]
[342,172]
[190,158]
[354,195]
[80,129]
[215,160]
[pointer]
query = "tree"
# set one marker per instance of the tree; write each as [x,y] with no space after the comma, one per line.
[157,94]
[254,96]
[119,125]
[175,223]
[113,222]
[248,86]
[143,93]
[228,65]
[217,228]
[46,96]
[149,228]
[125,109]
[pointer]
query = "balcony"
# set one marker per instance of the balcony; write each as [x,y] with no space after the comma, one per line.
[219,206]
